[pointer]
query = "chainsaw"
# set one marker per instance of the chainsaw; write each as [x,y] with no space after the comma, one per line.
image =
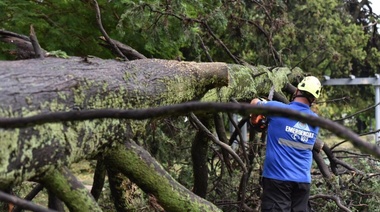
[259,122]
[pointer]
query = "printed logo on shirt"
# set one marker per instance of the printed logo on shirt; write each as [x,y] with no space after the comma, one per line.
[300,131]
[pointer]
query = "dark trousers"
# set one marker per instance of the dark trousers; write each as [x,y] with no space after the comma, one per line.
[285,196]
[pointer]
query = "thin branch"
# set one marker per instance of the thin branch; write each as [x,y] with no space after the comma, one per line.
[128,51]
[216,141]
[12,34]
[363,134]
[204,23]
[33,193]
[330,156]
[205,49]
[351,153]
[303,59]
[358,112]
[237,127]
[370,132]
[347,166]
[117,185]
[335,100]
[185,108]
[221,133]
[22,203]
[371,24]
[36,46]
[99,21]
[371,175]
[221,43]
[54,202]
[24,46]
[265,33]
[336,199]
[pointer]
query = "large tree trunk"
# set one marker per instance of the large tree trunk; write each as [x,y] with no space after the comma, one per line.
[31,87]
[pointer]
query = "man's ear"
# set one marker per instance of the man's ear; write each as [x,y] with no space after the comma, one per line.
[313,100]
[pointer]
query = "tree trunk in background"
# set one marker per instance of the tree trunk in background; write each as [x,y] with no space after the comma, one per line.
[199,150]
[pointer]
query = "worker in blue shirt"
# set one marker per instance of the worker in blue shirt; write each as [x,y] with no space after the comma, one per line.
[286,176]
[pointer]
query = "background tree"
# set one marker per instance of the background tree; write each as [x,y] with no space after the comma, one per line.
[322,37]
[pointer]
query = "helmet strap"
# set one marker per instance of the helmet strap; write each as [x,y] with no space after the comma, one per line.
[295,95]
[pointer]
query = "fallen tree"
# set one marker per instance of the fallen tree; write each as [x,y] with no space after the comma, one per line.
[40,153]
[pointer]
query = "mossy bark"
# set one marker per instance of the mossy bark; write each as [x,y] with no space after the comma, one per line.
[118,190]
[35,86]
[136,163]
[67,188]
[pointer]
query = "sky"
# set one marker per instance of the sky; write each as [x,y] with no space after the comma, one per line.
[376,6]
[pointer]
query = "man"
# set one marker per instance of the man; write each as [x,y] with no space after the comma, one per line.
[286,176]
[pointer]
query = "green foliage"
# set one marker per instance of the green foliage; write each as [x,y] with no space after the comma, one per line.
[357,191]
[58,53]
[167,139]
[322,37]
[56,24]
[319,36]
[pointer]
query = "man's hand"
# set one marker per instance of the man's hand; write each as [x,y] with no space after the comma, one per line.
[257,100]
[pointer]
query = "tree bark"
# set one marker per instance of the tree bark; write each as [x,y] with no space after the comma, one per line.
[118,190]
[199,150]
[136,163]
[67,188]
[31,87]
[99,179]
